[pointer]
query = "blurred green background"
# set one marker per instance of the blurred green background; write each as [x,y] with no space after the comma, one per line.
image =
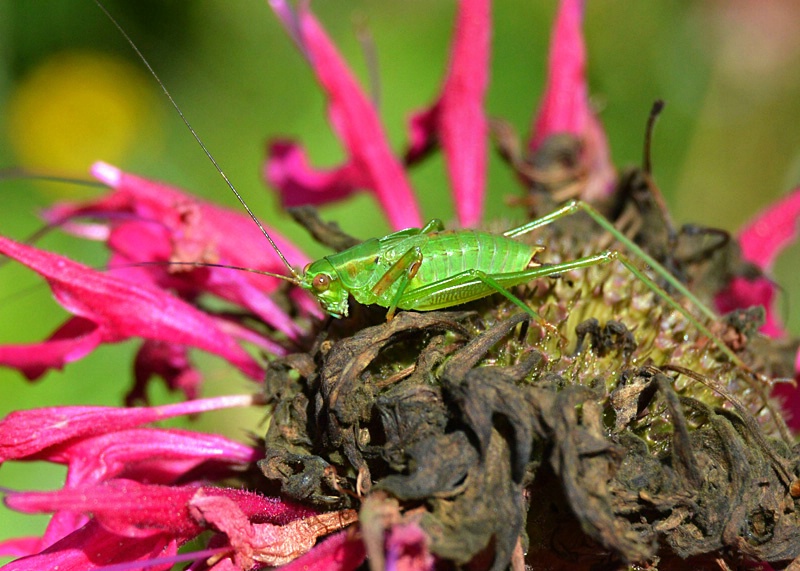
[73,92]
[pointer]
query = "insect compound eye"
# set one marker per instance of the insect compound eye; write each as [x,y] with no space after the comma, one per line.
[321,282]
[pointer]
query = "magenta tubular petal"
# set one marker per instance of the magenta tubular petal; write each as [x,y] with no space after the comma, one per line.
[262,509]
[92,547]
[123,507]
[237,288]
[789,395]
[288,170]
[741,293]
[462,124]
[231,238]
[152,453]
[343,551]
[224,515]
[132,509]
[73,340]
[407,549]
[354,119]
[24,433]
[20,546]
[761,241]
[122,310]
[771,231]
[165,360]
[153,222]
[421,133]
[457,120]
[129,245]
[565,107]
[237,237]
[244,334]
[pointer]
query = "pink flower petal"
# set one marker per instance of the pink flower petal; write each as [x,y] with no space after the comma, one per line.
[407,549]
[771,231]
[262,509]
[288,170]
[20,546]
[92,547]
[761,241]
[742,293]
[343,551]
[235,235]
[239,289]
[371,163]
[168,361]
[123,507]
[422,138]
[151,454]
[154,222]
[228,236]
[565,107]
[132,509]
[24,433]
[120,310]
[458,119]
[75,339]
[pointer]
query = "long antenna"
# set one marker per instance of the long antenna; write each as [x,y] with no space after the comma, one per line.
[207,265]
[199,141]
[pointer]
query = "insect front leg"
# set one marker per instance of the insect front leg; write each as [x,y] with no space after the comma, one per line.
[402,271]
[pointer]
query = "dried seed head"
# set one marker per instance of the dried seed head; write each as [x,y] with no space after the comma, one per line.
[626,419]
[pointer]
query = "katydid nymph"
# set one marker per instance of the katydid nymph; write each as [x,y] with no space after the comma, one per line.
[431,268]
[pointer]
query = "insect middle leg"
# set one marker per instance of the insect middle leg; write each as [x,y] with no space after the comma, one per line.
[401,272]
[405,268]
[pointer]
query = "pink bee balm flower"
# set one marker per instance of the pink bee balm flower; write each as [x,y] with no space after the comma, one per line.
[153,222]
[372,164]
[457,120]
[761,241]
[109,309]
[566,108]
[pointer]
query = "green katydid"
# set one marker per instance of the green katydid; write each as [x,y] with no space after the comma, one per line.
[432,268]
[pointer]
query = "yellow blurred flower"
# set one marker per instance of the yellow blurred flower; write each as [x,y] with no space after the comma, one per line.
[78,107]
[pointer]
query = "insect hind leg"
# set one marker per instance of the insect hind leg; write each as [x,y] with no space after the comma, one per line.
[487,280]
[575,206]
[613,255]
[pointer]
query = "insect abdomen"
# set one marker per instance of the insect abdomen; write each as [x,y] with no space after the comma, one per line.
[450,253]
